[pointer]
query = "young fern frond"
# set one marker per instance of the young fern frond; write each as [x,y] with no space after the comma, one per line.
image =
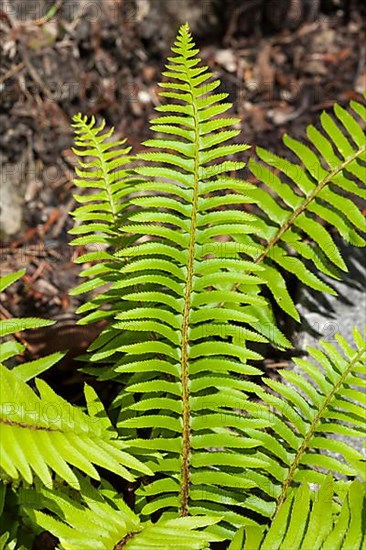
[308,198]
[104,171]
[100,520]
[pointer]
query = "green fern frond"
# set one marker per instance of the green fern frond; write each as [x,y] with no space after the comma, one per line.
[311,411]
[100,520]
[182,332]
[41,434]
[308,201]
[104,170]
[310,519]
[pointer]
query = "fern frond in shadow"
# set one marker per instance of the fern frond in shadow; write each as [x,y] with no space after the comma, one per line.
[311,411]
[311,519]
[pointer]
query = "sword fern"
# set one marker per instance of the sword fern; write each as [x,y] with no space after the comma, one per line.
[182,272]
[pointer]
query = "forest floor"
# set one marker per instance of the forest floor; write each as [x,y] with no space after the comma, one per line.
[55,64]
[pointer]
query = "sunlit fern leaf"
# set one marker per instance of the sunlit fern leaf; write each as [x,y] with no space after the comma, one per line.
[311,519]
[99,519]
[312,411]
[182,335]
[308,201]
[41,434]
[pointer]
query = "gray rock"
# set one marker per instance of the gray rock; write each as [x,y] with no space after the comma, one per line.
[324,316]
[327,315]
[12,177]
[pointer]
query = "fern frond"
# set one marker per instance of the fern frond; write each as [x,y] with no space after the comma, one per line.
[303,203]
[100,520]
[44,434]
[104,170]
[182,334]
[310,519]
[311,411]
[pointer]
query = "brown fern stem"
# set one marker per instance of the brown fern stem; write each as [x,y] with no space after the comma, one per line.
[186,414]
